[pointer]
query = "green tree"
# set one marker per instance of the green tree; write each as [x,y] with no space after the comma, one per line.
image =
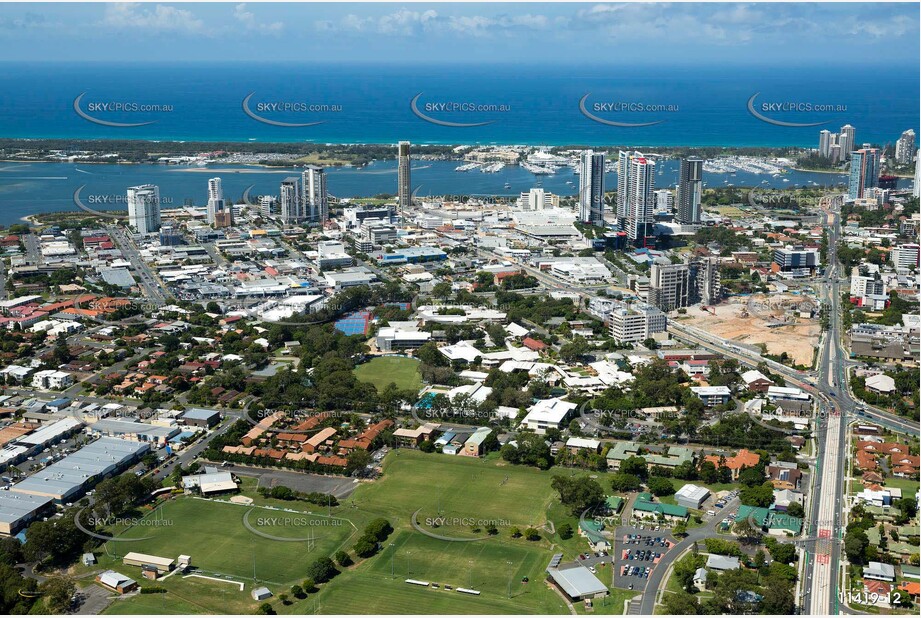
[322,570]
[379,528]
[58,591]
[634,465]
[855,546]
[660,486]
[565,531]
[625,482]
[579,493]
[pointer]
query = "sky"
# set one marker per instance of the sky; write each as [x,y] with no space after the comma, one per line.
[411,33]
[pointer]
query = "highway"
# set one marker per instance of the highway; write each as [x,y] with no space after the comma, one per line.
[822,550]
[823,536]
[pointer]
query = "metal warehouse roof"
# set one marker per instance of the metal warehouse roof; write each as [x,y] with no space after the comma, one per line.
[65,477]
[578,581]
[14,506]
[49,433]
[200,414]
[692,492]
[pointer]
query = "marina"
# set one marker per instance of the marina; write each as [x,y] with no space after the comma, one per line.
[25,188]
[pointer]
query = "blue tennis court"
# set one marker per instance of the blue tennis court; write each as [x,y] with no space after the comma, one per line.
[355,323]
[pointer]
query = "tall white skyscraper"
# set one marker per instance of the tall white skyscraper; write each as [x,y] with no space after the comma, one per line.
[825,142]
[215,199]
[639,180]
[846,140]
[314,196]
[690,189]
[144,208]
[916,188]
[404,182]
[905,147]
[289,200]
[623,174]
[591,188]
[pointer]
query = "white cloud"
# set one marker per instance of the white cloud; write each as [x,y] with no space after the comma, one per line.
[162,18]
[406,23]
[248,19]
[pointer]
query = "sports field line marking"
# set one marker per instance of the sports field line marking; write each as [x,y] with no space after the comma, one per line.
[217,579]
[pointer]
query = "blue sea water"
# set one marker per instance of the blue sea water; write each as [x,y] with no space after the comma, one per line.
[372,105]
[531,104]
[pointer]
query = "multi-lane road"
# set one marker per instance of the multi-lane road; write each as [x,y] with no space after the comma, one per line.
[824,527]
[148,281]
[822,548]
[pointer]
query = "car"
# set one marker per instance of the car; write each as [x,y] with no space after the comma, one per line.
[631,587]
[592,569]
[657,528]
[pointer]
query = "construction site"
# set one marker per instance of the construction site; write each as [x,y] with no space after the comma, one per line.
[782,322]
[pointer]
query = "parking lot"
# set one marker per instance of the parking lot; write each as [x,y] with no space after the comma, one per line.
[335,485]
[599,563]
[637,552]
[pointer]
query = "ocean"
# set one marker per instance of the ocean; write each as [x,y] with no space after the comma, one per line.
[522,104]
[533,105]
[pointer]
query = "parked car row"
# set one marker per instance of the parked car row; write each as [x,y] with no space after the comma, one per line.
[635,571]
[648,541]
[647,554]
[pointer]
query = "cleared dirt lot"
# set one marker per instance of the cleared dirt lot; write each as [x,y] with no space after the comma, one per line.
[746,319]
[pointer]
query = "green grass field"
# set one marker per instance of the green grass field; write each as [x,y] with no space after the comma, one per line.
[474,489]
[381,371]
[184,596]
[215,536]
[488,490]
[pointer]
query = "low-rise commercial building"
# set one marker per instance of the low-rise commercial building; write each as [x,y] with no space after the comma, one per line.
[68,478]
[17,510]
